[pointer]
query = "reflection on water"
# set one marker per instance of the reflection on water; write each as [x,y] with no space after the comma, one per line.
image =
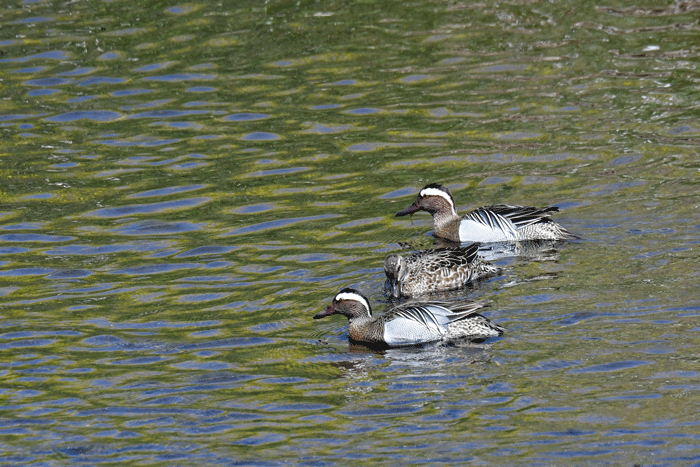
[185,185]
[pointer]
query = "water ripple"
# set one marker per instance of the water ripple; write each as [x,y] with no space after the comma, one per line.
[54,55]
[104,323]
[613,366]
[27,343]
[260,136]
[33,238]
[165,206]
[181,77]
[148,269]
[276,224]
[156,228]
[245,117]
[91,250]
[184,187]
[94,115]
[168,113]
[171,190]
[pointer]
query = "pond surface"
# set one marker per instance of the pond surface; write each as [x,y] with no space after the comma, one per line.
[184,185]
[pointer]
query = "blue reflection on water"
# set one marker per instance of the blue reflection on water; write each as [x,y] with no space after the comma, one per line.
[54,55]
[95,115]
[123,211]
[276,224]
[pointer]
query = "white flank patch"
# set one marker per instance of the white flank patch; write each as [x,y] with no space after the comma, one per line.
[437,192]
[353,296]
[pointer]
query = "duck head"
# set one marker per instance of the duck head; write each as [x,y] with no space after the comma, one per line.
[349,303]
[395,270]
[433,198]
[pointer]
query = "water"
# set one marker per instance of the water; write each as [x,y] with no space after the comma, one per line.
[185,184]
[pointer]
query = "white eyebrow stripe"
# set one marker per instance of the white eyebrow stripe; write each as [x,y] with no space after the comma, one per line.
[353,296]
[437,192]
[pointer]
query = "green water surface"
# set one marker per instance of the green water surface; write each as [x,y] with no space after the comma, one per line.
[184,185]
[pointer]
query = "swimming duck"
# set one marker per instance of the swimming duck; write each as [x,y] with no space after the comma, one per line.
[498,223]
[410,324]
[435,270]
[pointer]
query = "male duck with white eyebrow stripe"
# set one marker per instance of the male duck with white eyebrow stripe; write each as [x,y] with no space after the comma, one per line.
[488,224]
[410,324]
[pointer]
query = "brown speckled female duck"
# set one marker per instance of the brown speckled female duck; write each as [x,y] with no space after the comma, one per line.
[435,270]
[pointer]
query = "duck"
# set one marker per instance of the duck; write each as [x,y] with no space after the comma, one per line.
[487,224]
[410,324]
[435,270]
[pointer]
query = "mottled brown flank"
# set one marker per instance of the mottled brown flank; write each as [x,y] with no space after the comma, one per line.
[546,229]
[448,258]
[476,325]
[438,269]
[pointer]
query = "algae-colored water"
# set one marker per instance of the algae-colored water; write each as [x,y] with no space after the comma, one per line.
[184,185]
